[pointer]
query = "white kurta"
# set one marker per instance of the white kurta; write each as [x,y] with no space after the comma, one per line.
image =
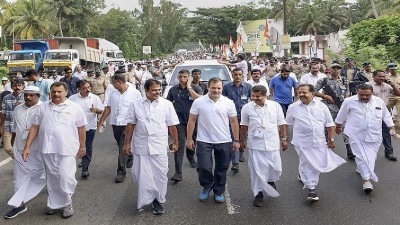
[150,146]
[364,128]
[264,143]
[29,177]
[59,139]
[309,122]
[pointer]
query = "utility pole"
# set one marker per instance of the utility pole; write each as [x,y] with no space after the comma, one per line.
[285,31]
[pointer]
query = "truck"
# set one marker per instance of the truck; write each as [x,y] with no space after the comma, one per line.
[28,54]
[73,51]
[110,52]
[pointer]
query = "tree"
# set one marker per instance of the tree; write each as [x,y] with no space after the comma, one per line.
[27,19]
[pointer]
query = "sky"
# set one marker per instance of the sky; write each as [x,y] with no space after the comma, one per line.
[190,4]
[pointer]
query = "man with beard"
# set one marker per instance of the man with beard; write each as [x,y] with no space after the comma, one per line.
[213,113]
[259,123]
[256,80]
[281,88]
[309,118]
[148,121]
[117,106]
[363,114]
[54,121]
[333,95]
[91,106]
[29,177]
[350,70]
[8,105]
[313,76]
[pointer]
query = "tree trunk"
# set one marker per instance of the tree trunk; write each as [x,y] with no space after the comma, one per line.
[60,27]
[374,9]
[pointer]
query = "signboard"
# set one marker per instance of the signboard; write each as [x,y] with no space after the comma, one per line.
[285,42]
[146,49]
[262,35]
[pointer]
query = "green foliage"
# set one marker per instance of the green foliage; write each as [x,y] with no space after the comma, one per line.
[3,72]
[382,33]
[377,55]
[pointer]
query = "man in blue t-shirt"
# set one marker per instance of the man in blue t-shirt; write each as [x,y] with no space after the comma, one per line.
[281,87]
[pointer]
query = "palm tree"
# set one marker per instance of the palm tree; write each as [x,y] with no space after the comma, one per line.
[62,9]
[312,21]
[28,20]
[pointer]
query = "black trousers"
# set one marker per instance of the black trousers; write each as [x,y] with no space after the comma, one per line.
[123,159]
[178,156]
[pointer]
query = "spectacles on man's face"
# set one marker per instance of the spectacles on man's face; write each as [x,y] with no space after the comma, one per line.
[68,72]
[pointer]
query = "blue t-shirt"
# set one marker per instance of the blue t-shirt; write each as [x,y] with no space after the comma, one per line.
[283,89]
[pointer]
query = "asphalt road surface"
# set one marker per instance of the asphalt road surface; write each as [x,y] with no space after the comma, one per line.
[99,200]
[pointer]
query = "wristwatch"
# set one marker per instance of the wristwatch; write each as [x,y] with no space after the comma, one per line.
[332,139]
[283,139]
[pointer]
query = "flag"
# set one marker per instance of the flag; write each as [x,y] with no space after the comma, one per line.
[231,43]
[242,32]
[201,45]
[266,31]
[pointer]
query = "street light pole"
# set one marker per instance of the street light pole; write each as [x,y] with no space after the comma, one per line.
[285,31]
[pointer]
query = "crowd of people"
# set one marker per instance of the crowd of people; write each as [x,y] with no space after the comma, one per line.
[214,123]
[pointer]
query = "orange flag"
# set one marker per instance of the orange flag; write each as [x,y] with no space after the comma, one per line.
[266,31]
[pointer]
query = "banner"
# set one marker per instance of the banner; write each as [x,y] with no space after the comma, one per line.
[261,34]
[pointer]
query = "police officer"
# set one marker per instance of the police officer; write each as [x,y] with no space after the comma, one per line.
[99,84]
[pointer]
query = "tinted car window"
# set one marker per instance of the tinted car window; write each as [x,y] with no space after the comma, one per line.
[207,72]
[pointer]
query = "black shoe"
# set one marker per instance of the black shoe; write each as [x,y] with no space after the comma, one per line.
[176,177]
[242,159]
[119,178]
[157,208]
[235,168]
[15,212]
[391,157]
[259,200]
[129,166]
[193,163]
[272,184]
[312,196]
[85,174]
[351,156]
[80,165]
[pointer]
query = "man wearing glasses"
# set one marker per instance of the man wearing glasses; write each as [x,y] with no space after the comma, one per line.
[71,81]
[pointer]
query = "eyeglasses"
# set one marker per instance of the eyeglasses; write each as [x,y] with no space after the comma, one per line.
[68,72]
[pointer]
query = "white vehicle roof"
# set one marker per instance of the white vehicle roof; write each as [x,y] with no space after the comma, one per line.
[200,62]
[107,45]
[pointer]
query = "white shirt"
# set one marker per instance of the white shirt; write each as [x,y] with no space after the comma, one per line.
[90,101]
[22,122]
[261,82]
[119,104]
[263,125]
[58,125]
[7,87]
[109,88]
[364,120]
[151,120]
[311,79]
[82,75]
[213,119]
[309,122]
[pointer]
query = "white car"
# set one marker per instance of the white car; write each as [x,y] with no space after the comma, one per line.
[209,69]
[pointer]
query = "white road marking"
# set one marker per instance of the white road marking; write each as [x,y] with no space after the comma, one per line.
[4,162]
[231,207]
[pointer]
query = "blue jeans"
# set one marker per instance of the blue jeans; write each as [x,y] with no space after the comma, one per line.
[89,149]
[222,156]
[284,108]
[387,139]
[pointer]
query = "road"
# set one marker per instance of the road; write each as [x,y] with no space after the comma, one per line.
[99,200]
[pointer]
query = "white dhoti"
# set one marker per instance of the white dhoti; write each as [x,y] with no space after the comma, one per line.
[61,182]
[29,177]
[150,172]
[366,153]
[314,160]
[264,166]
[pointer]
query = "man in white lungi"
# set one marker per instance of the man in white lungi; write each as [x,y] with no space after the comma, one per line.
[309,118]
[363,114]
[259,122]
[148,121]
[59,127]
[29,178]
